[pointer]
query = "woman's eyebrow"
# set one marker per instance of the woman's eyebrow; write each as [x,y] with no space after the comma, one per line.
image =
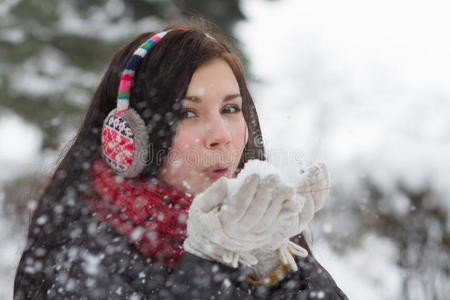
[227,98]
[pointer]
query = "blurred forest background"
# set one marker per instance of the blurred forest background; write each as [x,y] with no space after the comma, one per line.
[322,93]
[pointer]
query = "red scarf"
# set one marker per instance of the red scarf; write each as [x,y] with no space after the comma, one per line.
[152,216]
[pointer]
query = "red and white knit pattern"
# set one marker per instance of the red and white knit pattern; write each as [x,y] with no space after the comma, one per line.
[118,143]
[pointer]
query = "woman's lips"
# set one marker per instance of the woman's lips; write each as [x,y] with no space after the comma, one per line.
[217,171]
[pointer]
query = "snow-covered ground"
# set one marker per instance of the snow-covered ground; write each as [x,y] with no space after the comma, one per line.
[357,84]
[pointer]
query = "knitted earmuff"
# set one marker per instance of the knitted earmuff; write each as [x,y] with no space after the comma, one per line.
[124,135]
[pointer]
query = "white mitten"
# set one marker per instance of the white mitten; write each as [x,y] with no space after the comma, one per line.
[226,229]
[312,190]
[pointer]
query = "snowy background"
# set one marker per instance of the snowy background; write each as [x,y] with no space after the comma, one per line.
[361,85]
[365,87]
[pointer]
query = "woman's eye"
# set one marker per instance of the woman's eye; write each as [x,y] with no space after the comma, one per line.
[187,114]
[231,108]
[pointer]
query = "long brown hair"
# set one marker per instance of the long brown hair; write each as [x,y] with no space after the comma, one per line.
[157,92]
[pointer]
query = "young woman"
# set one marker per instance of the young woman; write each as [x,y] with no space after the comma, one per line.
[136,209]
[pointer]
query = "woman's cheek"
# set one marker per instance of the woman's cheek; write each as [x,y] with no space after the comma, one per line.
[183,141]
[186,147]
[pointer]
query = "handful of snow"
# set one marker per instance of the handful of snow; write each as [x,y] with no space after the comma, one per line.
[290,175]
[311,182]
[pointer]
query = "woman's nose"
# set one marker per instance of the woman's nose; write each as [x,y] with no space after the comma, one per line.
[217,132]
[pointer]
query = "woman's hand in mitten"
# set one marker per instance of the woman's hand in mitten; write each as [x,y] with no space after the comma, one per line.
[228,228]
[312,189]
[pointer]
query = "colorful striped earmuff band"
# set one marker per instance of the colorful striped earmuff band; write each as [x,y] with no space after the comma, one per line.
[123,98]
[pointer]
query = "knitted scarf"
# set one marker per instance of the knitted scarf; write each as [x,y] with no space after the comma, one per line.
[152,215]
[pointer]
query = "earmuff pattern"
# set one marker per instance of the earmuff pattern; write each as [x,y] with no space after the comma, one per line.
[124,135]
[117,143]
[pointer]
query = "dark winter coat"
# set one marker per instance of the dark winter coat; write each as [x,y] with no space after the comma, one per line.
[86,259]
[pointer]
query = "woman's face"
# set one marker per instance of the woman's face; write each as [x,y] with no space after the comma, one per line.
[211,133]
